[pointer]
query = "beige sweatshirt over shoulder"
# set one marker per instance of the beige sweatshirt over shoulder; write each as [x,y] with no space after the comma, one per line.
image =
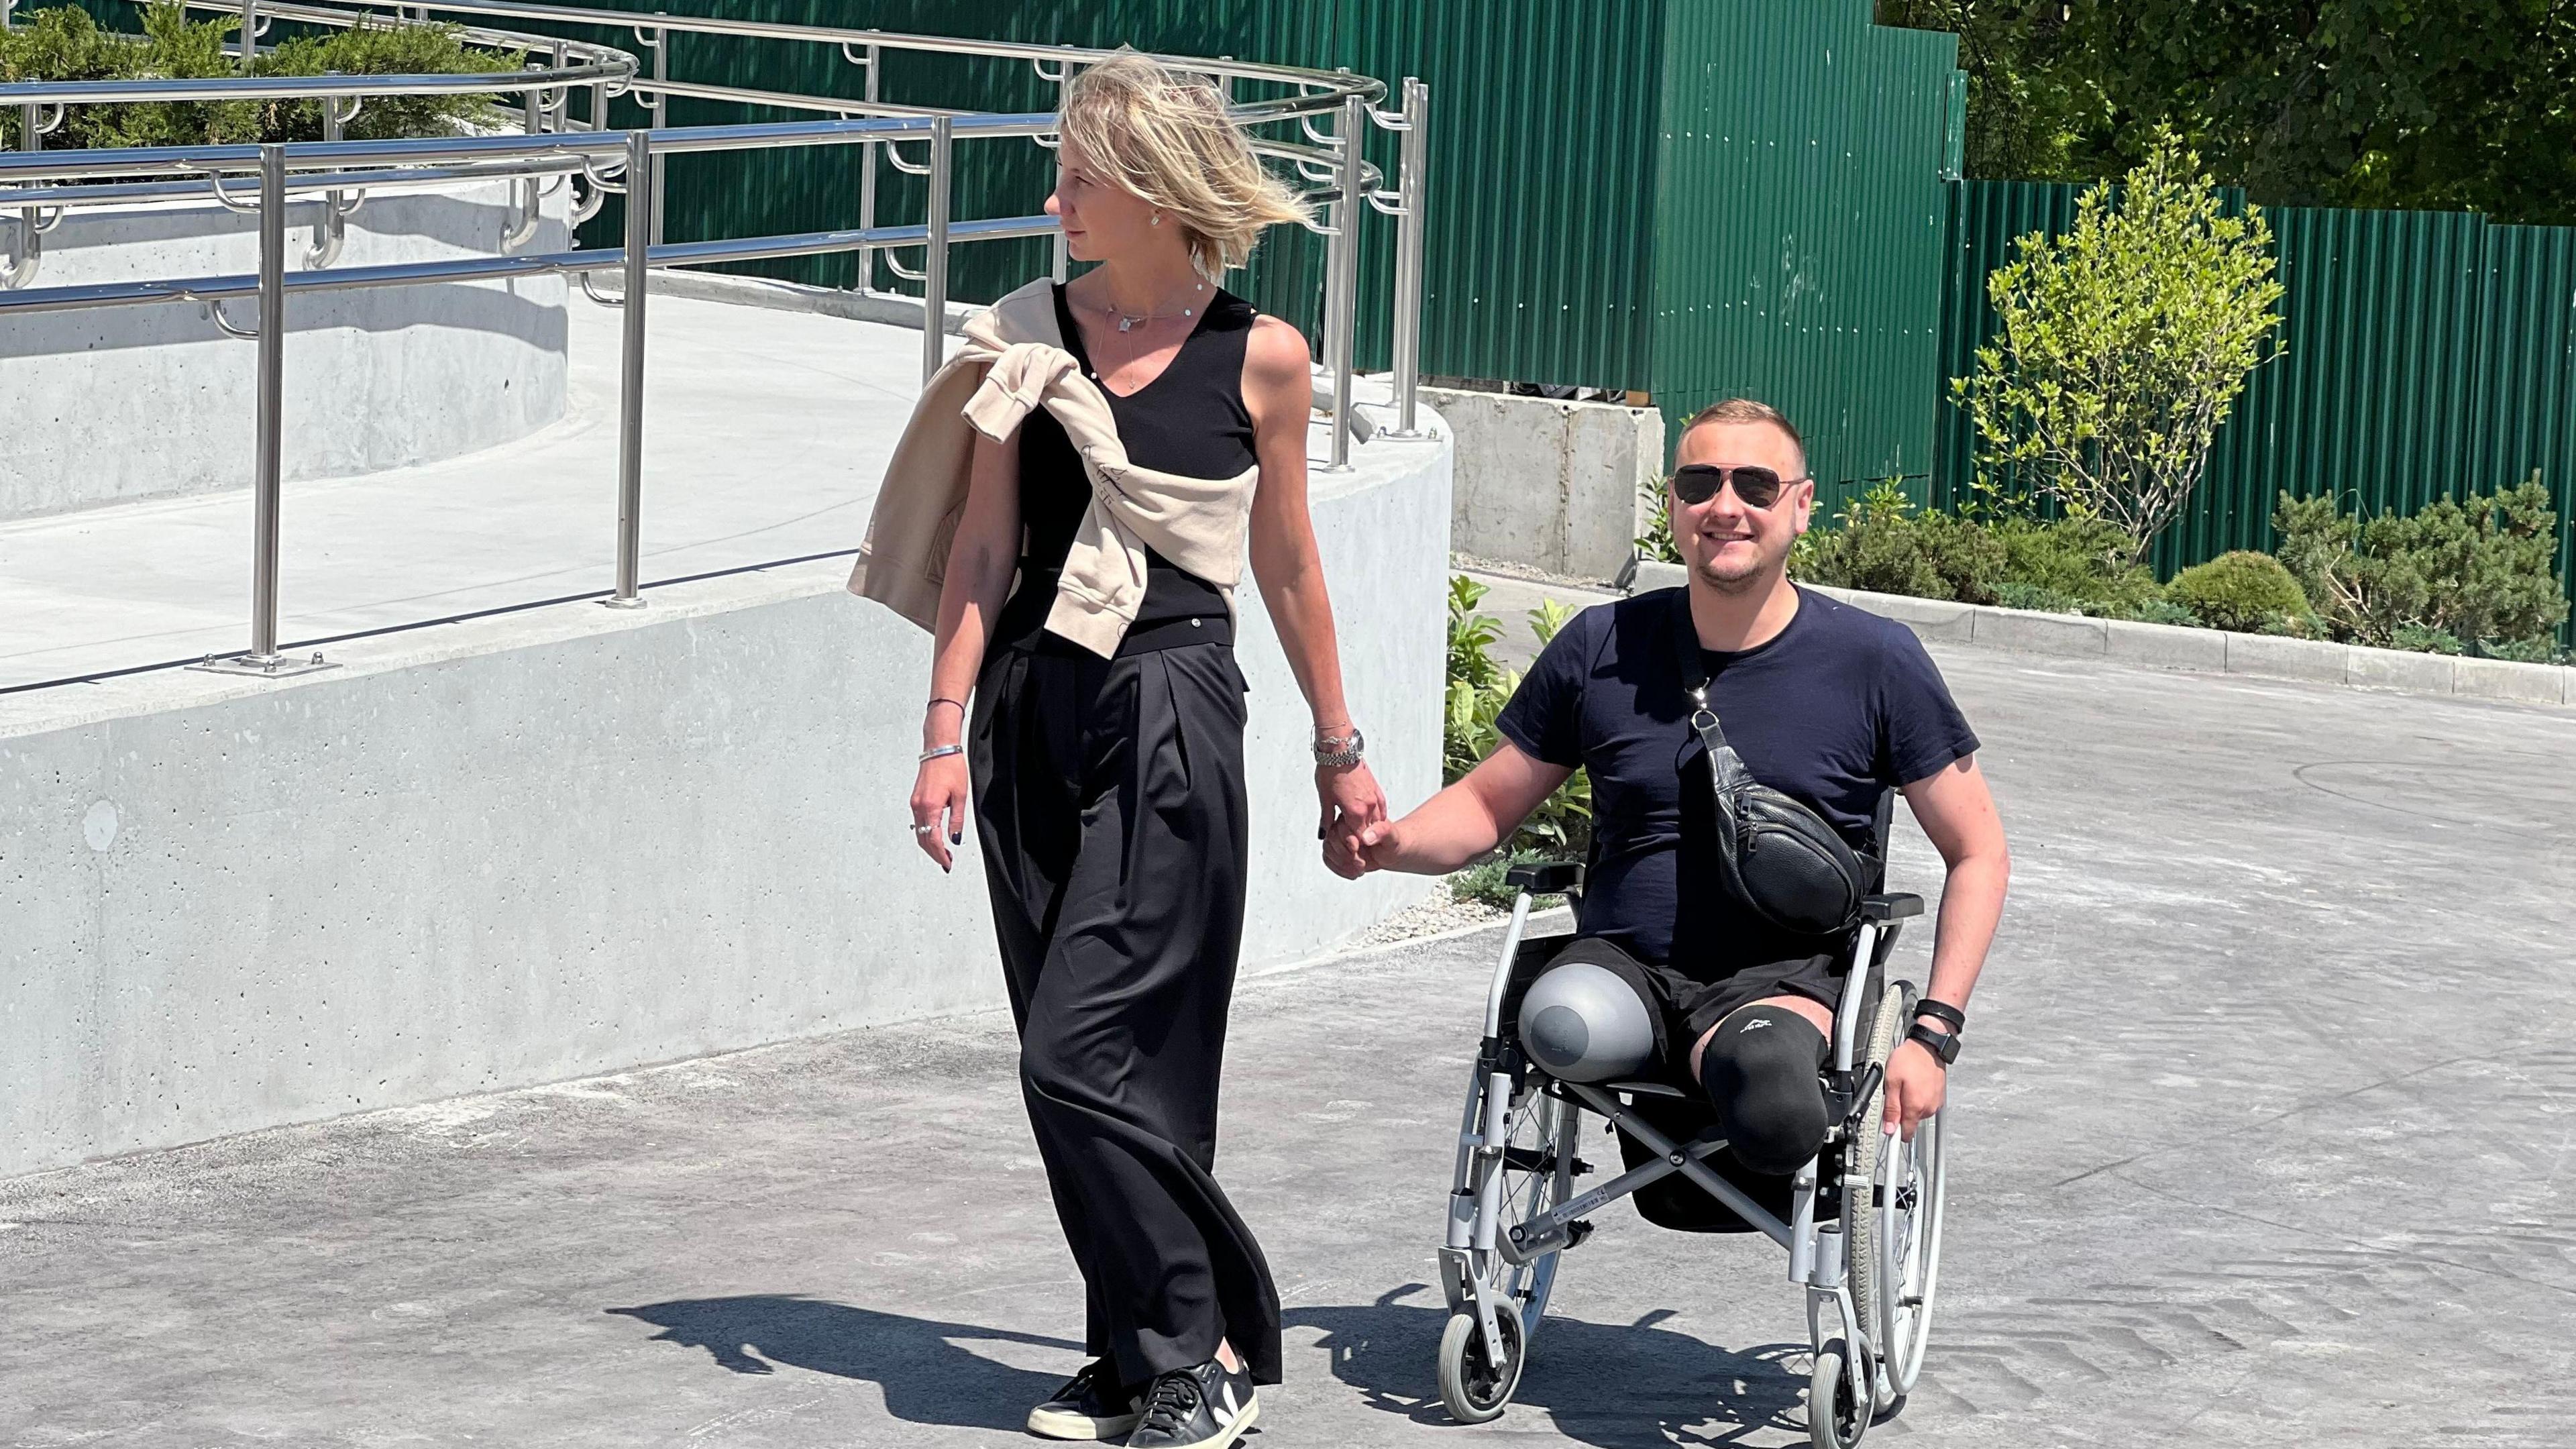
[1013,360]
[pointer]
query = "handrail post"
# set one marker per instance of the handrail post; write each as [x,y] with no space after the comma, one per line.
[934,261]
[1408,258]
[1342,274]
[1062,268]
[868,185]
[272,399]
[641,176]
[249,32]
[661,107]
[268,434]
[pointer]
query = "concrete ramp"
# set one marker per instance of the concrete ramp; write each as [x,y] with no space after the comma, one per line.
[526,845]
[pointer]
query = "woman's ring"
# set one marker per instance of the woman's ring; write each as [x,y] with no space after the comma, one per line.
[923,829]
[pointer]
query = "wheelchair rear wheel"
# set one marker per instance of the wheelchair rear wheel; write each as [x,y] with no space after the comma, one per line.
[1909,1244]
[1865,1165]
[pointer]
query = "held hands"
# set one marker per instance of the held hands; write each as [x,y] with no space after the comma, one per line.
[1352,805]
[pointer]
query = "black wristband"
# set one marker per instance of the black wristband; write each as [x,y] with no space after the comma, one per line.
[1943,1046]
[1943,1012]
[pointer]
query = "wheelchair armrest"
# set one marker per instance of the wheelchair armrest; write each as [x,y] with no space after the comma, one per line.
[1883,909]
[1546,877]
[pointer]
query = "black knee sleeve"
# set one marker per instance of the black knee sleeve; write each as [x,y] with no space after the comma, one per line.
[1760,1072]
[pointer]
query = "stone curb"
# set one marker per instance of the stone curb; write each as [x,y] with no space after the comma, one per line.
[2207,651]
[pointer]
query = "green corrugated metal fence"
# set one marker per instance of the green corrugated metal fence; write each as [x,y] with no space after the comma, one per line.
[1800,226]
[1538,257]
[2428,353]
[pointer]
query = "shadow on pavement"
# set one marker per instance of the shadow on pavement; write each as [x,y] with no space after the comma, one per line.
[1612,1385]
[927,1377]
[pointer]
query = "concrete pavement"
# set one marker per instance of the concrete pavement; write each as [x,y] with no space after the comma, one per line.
[2265,1122]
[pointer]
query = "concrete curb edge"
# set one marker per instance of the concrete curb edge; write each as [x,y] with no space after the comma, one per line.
[2207,651]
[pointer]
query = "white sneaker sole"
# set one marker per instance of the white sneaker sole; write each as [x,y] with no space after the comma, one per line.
[1049,1424]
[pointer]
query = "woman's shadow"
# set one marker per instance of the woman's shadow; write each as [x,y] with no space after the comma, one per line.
[927,1376]
[1615,1386]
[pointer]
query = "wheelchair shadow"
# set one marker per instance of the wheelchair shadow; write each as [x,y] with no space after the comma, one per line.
[926,1376]
[1614,1386]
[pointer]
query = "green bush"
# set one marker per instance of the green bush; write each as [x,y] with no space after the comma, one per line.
[1478,688]
[2427,640]
[2481,570]
[2241,590]
[65,44]
[1483,882]
[1656,541]
[1885,545]
[2083,562]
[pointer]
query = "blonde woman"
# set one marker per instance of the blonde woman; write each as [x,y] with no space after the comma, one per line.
[1121,436]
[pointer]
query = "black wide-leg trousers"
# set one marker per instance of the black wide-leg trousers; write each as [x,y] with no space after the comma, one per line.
[1109,796]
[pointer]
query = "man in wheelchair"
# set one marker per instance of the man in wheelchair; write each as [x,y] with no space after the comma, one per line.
[1682,704]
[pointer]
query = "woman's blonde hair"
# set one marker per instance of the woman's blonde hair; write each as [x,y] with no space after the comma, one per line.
[1166,137]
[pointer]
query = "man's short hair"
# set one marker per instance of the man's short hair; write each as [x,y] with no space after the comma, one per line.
[1746,410]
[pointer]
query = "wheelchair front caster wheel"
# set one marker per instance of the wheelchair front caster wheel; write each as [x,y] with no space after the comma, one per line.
[1474,1389]
[1834,1419]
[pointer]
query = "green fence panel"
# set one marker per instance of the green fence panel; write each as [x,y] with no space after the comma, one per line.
[1540,170]
[1800,227]
[2426,353]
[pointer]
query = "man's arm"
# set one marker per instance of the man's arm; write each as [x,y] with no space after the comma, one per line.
[1957,813]
[1467,819]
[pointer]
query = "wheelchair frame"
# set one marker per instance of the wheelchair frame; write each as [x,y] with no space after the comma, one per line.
[1862,1195]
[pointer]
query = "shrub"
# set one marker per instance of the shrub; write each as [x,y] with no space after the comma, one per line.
[2124,343]
[2081,562]
[2481,569]
[66,44]
[1885,545]
[2426,640]
[1478,688]
[1655,540]
[2241,590]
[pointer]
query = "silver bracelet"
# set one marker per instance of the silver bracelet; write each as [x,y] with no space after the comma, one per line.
[942,752]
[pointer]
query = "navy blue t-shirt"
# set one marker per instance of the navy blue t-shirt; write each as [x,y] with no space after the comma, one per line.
[1835,710]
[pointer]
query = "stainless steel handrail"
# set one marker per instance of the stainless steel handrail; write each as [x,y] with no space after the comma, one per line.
[631,161]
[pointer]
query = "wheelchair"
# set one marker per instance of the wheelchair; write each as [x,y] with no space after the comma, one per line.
[1862,1220]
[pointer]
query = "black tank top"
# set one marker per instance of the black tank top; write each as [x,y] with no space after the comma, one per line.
[1190,421]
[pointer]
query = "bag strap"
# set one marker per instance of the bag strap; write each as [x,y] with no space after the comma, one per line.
[1727,765]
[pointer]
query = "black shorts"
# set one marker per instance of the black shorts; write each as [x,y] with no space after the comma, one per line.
[1685,1007]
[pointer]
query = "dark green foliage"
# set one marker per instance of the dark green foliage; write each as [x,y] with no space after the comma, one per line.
[1479,686]
[1886,545]
[65,44]
[2366,103]
[2481,571]
[2084,562]
[1656,540]
[1483,882]
[2426,640]
[2244,591]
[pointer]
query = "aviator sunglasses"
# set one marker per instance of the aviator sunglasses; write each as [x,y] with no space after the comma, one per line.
[1696,483]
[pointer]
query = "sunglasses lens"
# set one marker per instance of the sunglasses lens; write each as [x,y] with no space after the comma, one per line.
[1697,483]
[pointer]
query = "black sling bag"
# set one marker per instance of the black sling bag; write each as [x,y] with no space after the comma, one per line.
[1778,857]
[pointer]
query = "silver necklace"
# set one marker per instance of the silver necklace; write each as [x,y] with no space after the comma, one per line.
[1128,321]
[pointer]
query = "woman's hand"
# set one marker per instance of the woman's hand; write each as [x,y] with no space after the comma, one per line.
[1352,802]
[939,807]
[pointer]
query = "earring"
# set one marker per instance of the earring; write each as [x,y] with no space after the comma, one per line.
[1157,221]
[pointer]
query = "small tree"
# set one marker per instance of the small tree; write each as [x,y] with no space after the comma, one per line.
[2125,343]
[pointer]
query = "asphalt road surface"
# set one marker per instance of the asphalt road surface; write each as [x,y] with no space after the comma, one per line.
[2264,1131]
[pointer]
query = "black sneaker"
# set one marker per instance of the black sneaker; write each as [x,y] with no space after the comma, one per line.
[1207,1407]
[1089,1406]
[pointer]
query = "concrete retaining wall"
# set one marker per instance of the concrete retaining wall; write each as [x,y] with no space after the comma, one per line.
[128,403]
[1549,485]
[566,841]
